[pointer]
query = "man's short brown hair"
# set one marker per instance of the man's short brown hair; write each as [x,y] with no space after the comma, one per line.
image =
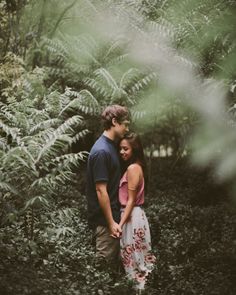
[120,113]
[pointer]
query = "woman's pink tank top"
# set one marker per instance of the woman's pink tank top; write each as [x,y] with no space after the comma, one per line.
[123,192]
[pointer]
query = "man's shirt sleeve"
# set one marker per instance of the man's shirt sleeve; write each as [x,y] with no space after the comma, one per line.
[100,166]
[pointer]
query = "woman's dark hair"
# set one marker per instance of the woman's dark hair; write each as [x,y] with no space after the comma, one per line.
[137,151]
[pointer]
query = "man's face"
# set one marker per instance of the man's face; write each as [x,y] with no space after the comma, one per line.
[121,128]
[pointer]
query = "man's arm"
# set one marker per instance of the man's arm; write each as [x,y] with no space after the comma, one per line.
[104,202]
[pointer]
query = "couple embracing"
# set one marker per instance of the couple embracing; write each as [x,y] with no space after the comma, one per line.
[115,193]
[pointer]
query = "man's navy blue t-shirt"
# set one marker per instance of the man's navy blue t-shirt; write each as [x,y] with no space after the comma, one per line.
[103,166]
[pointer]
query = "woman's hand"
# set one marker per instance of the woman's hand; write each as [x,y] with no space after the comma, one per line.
[115,230]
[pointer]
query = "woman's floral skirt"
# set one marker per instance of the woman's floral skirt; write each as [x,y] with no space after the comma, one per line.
[135,246]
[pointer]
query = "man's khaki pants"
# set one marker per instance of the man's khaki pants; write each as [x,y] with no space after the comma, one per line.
[106,246]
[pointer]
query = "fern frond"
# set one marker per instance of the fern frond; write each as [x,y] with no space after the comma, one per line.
[57,71]
[71,157]
[66,162]
[13,132]
[44,125]
[28,87]
[136,115]
[43,135]
[88,103]
[8,188]
[55,47]
[80,135]
[5,113]
[87,109]
[39,115]
[67,125]
[56,139]
[118,59]
[73,104]
[63,177]
[184,61]
[53,103]
[51,181]
[143,82]
[70,93]
[21,161]
[84,101]
[64,230]
[65,214]
[19,153]
[105,75]
[3,144]
[88,97]
[115,46]
[161,28]
[128,77]
[79,68]
[92,83]
[36,200]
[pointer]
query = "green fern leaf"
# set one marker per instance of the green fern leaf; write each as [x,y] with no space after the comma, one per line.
[49,145]
[44,125]
[105,75]
[35,201]
[8,188]
[80,135]
[14,132]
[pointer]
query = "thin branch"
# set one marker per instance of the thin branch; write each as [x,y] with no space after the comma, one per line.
[40,26]
[60,18]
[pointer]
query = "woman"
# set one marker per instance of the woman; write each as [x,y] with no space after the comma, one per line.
[135,241]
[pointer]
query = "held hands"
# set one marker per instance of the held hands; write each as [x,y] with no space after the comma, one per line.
[115,230]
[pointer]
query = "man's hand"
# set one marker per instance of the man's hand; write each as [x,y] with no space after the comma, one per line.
[104,202]
[115,230]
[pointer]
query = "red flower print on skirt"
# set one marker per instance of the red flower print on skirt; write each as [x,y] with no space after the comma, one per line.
[128,249]
[140,276]
[140,233]
[135,245]
[150,258]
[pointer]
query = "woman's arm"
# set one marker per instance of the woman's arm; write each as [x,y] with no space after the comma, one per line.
[134,173]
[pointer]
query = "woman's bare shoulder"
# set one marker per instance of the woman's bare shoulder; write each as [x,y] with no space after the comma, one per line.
[134,168]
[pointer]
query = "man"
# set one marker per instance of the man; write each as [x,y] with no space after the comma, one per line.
[103,177]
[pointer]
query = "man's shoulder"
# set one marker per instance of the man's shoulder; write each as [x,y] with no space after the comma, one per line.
[99,146]
[99,151]
[96,152]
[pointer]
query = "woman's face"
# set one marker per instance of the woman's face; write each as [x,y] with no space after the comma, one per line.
[125,150]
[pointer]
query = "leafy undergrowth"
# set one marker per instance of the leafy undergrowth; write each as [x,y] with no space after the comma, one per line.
[195,243]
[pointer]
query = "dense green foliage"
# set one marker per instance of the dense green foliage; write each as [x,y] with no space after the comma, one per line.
[194,244]
[173,64]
